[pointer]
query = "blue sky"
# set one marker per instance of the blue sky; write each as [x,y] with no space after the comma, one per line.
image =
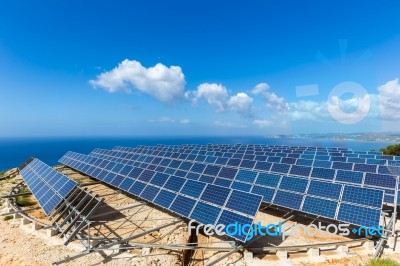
[103,68]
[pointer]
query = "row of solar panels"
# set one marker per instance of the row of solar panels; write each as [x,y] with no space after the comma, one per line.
[276,156]
[335,201]
[202,202]
[372,180]
[343,163]
[288,149]
[48,186]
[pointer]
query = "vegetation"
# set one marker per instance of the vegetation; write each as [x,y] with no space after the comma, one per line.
[23,201]
[8,217]
[392,150]
[383,262]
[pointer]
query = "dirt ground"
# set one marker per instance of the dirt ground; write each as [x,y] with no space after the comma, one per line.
[21,245]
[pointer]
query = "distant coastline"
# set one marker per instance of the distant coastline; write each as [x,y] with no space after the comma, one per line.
[375,137]
[14,151]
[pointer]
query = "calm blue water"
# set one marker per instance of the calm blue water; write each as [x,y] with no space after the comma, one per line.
[14,152]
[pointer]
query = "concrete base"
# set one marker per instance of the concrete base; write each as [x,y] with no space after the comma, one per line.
[369,245]
[248,256]
[146,251]
[313,252]
[51,232]
[5,210]
[282,254]
[343,249]
[25,221]
[36,226]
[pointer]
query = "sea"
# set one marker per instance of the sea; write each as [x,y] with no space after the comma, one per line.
[15,151]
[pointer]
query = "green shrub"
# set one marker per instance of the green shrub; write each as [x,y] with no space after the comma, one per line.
[23,201]
[392,150]
[383,262]
[8,217]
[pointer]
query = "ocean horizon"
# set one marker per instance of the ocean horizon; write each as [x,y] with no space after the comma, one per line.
[15,151]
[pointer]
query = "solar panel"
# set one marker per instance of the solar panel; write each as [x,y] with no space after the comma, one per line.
[323,173]
[48,186]
[358,195]
[324,189]
[246,176]
[229,217]
[288,199]
[293,184]
[205,213]
[359,215]
[379,180]
[215,194]
[323,207]
[245,203]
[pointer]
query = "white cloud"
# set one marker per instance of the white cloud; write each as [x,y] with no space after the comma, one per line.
[262,123]
[259,88]
[349,111]
[228,124]
[164,83]
[164,119]
[184,121]
[308,110]
[389,100]
[213,93]
[275,103]
[240,103]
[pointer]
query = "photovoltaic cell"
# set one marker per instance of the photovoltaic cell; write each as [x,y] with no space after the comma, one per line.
[293,184]
[324,189]
[243,202]
[228,217]
[183,205]
[358,195]
[323,173]
[215,194]
[349,176]
[321,207]
[246,176]
[270,180]
[205,213]
[267,193]
[359,215]
[288,199]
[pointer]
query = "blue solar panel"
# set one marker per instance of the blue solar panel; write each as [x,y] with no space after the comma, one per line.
[342,166]
[183,205]
[207,179]
[222,182]
[349,176]
[193,188]
[215,194]
[288,199]
[126,184]
[323,173]
[174,183]
[48,186]
[267,193]
[228,172]
[243,202]
[212,170]
[205,213]
[149,193]
[137,188]
[165,198]
[304,162]
[269,180]
[321,207]
[358,195]
[263,166]
[159,179]
[300,170]
[293,184]
[379,180]
[323,164]
[228,217]
[359,215]
[241,186]
[246,176]
[365,168]
[324,189]
[280,168]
